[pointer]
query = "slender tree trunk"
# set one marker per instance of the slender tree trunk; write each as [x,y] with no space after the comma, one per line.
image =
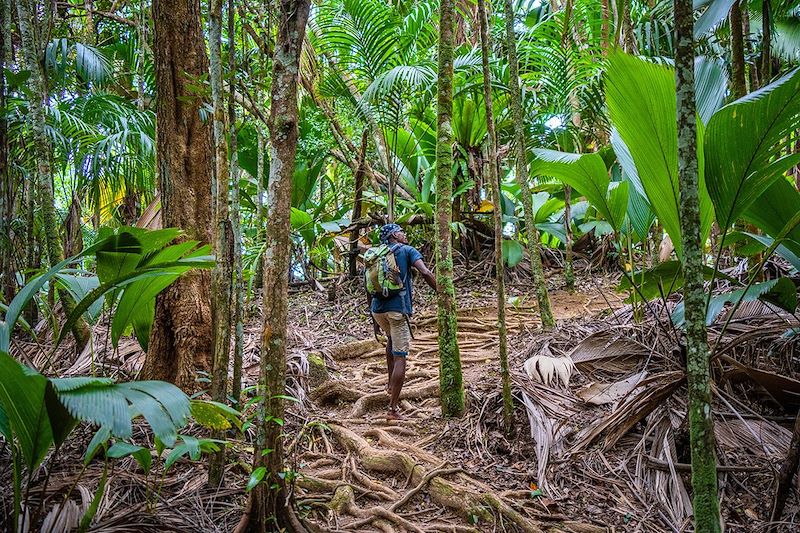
[8,282]
[786,475]
[629,37]
[766,42]
[494,179]
[752,70]
[31,252]
[32,50]
[359,193]
[521,167]
[269,508]
[258,277]
[569,272]
[238,288]
[181,340]
[222,275]
[738,83]
[605,27]
[450,377]
[41,144]
[701,423]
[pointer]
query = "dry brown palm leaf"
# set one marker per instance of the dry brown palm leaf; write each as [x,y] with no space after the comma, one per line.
[758,437]
[608,351]
[599,393]
[665,485]
[651,393]
[784,390]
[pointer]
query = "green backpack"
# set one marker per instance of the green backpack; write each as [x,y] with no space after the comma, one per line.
[382,275]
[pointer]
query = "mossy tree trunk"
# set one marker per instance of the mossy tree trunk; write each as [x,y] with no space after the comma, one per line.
[521,169]
[701,423]
[181,340]
[269,509]
[238,280]
[222,275]
[494,179]
[7,267]
[30,29]
[450,377]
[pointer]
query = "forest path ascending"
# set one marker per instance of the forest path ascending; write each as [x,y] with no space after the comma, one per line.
[360,472]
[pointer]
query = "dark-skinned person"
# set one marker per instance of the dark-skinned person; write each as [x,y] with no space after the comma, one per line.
[389,294]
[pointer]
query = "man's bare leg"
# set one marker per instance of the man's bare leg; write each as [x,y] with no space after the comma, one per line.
[389,365]
[395,386]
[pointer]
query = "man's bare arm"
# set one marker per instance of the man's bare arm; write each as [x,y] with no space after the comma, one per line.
[426,274]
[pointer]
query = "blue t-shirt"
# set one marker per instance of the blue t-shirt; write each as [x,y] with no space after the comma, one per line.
[400,303]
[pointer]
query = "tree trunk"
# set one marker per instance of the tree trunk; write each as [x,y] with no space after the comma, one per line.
[522,173]
[359,193]
[8,282]
[42,151]
[258,277]
[450,377]
[605,27]
[269,508]
[569,272]
[494,180]
[238,287]
[786,475]
[222,275]
[181,340]
[766,42]
[32,50]
[701,423]
[738,83]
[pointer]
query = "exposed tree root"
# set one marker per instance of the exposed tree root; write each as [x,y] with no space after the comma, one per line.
[354,349]
[479,502]
[333,391]
[363,404]
[462,500]
[343,502]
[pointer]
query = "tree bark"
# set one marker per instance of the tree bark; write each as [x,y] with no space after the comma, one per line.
[42,150]
[359,193]
[701,423]
[786,475]
[238,287]
[32,50]
[8,282]
[766,42]
[569,272]
[494,180]
[258,277]
[738,83]
[450,377]
[269,509]
[181,340]
[521,167]
[222,275]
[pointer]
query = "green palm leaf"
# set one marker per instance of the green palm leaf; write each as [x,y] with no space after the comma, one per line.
[743,144]
[641,101]
[587,174]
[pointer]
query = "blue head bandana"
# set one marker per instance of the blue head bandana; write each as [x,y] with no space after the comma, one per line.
[387,230]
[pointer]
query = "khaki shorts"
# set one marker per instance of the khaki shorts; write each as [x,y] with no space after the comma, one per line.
[395,326]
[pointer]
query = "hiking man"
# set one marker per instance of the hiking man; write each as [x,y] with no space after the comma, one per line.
[391,309]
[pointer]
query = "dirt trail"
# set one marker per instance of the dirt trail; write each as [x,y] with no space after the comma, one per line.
[361,472]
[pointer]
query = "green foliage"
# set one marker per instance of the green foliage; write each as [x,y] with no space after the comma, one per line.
[587,174]
[645,123]
[780,292]
[743,145]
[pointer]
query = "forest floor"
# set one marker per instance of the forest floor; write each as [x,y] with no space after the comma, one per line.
[606,452]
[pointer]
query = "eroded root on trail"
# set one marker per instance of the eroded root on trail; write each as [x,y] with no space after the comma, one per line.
[391,460]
